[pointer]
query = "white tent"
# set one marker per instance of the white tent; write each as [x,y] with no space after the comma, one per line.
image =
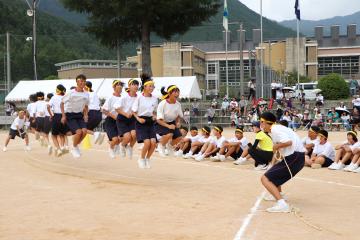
[188,86]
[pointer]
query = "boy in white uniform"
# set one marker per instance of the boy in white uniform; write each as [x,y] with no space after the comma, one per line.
[323,154]
[17,129]
[214,146]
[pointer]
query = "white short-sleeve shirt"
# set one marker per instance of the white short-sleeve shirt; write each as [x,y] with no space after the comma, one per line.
[75,102]
[55,103]
[126,102]
[282,134]
[110,103]
[41,109]
[326,150]
[243,141]
[145,106]
[94,101]
[169,112]
[17,123]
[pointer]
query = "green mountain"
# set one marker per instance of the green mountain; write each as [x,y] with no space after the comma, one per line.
[307,26]
[58,41]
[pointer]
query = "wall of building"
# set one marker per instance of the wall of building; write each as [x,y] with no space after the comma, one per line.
[292,57]
[171,59]
[97,73]
[157,58]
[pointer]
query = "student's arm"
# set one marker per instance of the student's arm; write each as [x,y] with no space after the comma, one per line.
[86,113]
[49,110]
[256,142]
[164,124]
[63,116]
[282,145]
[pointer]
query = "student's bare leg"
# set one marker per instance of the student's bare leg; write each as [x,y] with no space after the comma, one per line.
[145,149]
[133,138]
[272,189]
[7,140]
[152,148]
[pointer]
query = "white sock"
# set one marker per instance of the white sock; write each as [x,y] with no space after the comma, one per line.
[282,202]
[190,152]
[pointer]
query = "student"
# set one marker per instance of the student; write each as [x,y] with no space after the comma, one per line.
[126,120]
[196,145]
[290,147]
[144,109]
[261,151]
[345,152]
[40,113]
[17,129]
[58,129]
[214,146]
[323,154]
[74,110]
[169,114]
[234,147]
[185,143]
[30,112]
[95,115]
[311,140]
[109,111]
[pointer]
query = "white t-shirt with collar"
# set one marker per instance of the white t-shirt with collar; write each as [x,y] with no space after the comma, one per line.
[282,134]
[169,112]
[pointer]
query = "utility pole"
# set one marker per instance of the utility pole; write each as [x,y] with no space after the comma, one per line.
[34,40]
[241,60]
[8,63]
[118,60]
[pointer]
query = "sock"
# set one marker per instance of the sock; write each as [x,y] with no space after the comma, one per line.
[282,202]
[190,152]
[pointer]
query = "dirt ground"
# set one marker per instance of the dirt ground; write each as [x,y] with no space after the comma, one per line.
[95,197]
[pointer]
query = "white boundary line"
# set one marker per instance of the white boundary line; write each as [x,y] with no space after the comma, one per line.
[240,233]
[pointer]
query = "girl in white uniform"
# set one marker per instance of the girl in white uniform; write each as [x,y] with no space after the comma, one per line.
[126,120]
[109,111]
[169,114]
[144,109]
[95,115]
[30,112]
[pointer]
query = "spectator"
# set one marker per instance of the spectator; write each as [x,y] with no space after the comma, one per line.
[306,121]
[243,105]
[355,118]
[279,113]
[287,117]
[356,102]
[354,85]
[195,107]
[210,114]
[319,100]
[296,120]
[224,106]
[233,119]
[302,98]
[333,117]
[342,106]
[234,105]
[214,103]
[187,116]
[252,89]
[318,121]
[345,119]
[279,96]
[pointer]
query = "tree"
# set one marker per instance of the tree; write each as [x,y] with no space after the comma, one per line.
[334,87]
[292,78]
[123,21]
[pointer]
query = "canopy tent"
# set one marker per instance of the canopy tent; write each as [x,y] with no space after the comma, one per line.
[188,86]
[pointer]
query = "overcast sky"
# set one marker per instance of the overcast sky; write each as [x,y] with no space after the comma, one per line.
[310,9]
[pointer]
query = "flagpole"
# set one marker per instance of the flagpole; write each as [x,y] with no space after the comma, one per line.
[226,61]
[298,51]
[261,51]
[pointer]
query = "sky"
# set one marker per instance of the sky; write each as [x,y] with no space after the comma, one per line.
[280,10]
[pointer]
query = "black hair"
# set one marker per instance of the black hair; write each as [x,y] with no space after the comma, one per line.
[324,133]
[81,76]
[354,135]
[184,128]
[268,116]
[193,128]
[284,123]
[49,96]
[220,128]
[73,87]
[315,129]
[240,128]
[40,95]
[166,93]
[207,129]
[61,89]
[32,98]
[144,79]
[88,84]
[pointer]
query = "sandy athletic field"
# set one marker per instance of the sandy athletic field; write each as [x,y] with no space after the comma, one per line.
[95,197]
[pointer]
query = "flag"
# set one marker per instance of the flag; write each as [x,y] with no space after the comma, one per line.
[297,9]
[226,17]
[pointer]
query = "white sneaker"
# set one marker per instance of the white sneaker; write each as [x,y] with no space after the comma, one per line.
[216,158]
[75,153]
[196,155]
[117,150]
[141,163]
[50,149]
[350,167]
[129,151]
[96,137]
[357,170]
[339,166]
[332,166]
[269,197]
[111,153]
[179,153]
[122,151]
[240,161]
[200,158]
[261,167]
[58,152]
[161,150]
[147,163]
[169,150]
[188,155]
[27,148]
[279,207]
[78,150]
[222,158]
[4,149]
[101,138]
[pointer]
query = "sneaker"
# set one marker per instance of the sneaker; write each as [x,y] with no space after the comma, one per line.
[66,149]
[188,155]
[75,153]
[169,150]
[161,150]
[339,166]
[78,150]
[279,207]
[27,148]
[117,149]
[216,158]
[129,151]
[96,137]
[316,166]
[141,163]
[261,167]
[200,158]
[112,153]
[240,161]
[50,149]
[269,197]
[147,163]
[222,158]
[122,151]
[58,152]
[4,149]
[101,138]
[179,153]
[332,166]
[357,170]
[351,167]
[196,155]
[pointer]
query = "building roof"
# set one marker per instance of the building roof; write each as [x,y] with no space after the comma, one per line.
[343,41]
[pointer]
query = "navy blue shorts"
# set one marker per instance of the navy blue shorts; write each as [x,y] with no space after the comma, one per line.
[125,125]
[327,162]
[145,131]
[32,122]
[47,125]
[260,156]
[161,130]
[111,128]
[57,128]
[13,133]
[75,121]
[235,155]
[94,119]
[279,173]
[40,124]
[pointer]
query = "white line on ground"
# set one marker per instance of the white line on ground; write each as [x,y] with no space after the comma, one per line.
[249,217]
